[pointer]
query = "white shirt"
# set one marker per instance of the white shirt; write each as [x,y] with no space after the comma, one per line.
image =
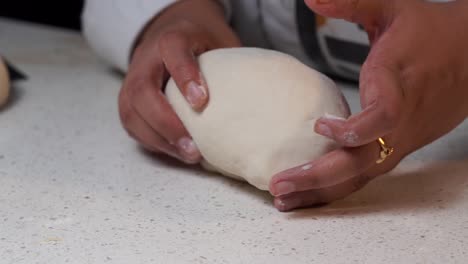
[112,26]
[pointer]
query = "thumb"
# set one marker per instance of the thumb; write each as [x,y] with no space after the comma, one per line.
[368,13]
[382,99]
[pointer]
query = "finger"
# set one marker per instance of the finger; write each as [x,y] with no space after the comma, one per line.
[178,55]
[382,99]
[151,106]
[334,168]
[364,12]
[138,129]
[321,196]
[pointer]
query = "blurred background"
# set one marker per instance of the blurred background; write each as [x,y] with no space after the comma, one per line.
[64,14]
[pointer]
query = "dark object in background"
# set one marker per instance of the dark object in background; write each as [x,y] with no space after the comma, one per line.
[65,13]
[15,74]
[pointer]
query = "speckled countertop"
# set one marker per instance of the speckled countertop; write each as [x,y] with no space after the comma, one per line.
[75,189]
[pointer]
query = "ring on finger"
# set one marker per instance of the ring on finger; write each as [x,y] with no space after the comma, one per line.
[385,151]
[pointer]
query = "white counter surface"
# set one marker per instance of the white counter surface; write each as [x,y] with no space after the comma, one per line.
[75,189]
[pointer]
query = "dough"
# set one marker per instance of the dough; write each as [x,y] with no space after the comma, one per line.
[4,83]
[261,114]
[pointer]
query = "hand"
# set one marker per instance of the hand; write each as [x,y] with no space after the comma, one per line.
[169,46]
[413,87]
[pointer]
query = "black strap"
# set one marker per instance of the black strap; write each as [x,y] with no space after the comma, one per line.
[307,28]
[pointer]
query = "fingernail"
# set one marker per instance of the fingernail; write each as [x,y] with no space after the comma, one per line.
[324,130]
[283,188]
[188,149]
[195,94]
[287,204]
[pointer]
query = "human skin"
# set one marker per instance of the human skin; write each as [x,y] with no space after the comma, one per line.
[412,86]
[168,48]
[413,90]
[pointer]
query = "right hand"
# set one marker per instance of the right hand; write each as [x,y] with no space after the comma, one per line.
[169,46]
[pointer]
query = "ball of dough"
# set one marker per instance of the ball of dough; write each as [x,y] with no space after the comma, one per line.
[4,83]
[261,114]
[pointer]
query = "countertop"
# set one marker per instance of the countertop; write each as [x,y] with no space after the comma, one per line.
[74,188]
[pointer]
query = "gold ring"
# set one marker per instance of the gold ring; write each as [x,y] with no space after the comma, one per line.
[385,151]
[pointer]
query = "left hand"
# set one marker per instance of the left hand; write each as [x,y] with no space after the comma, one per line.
[413,87]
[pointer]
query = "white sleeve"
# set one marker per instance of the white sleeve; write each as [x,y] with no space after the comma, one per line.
[111,27]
